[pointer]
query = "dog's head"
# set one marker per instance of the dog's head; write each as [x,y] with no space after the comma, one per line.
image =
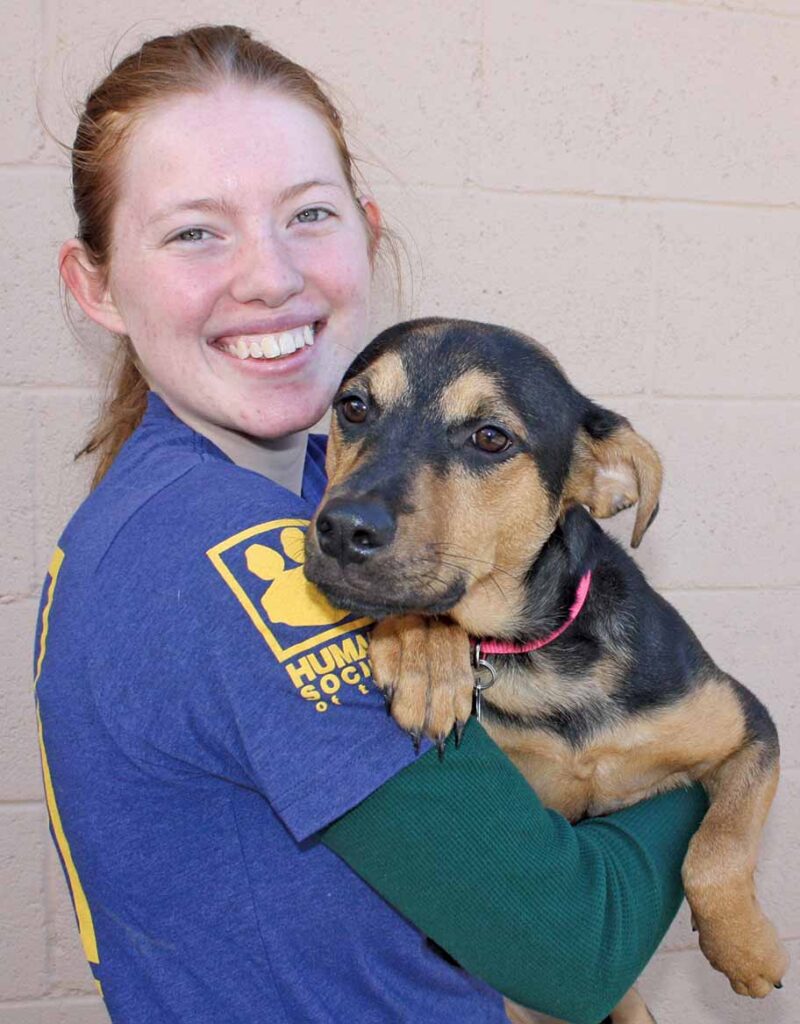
[455,448]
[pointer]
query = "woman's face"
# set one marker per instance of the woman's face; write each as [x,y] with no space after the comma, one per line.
[240,263]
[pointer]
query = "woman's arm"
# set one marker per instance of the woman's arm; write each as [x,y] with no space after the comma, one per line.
[558,917]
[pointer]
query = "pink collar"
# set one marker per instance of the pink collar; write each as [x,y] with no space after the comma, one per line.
[506,647]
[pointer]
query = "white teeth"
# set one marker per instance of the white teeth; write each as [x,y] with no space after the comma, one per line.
[286,342]
[271,346]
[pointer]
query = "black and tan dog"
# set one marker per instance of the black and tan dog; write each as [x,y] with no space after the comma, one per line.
[464,473]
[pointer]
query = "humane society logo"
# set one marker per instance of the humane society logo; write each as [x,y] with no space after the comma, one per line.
[263,566]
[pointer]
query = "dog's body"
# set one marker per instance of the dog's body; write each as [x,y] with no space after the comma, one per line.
[461,466]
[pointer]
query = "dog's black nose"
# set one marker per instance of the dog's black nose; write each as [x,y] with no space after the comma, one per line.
[353,530]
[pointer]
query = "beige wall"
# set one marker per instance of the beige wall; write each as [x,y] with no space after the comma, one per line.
[620,179]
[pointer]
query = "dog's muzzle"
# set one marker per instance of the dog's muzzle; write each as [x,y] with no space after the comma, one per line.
[353,530]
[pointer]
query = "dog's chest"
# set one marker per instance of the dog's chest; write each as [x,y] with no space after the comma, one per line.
[587,759]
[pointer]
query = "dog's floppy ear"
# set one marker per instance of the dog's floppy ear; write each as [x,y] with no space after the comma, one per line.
[614,468]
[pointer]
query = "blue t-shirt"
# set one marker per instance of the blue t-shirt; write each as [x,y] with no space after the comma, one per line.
[204,712]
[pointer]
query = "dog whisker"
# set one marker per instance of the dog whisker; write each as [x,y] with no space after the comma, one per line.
[455,553]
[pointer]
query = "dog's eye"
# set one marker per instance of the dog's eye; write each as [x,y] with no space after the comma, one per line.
[354,409]
[491,439]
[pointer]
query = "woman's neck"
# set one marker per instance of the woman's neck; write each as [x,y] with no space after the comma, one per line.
[281,460]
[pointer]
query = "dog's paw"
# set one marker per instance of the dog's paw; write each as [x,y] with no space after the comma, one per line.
[748,951]
[422,666]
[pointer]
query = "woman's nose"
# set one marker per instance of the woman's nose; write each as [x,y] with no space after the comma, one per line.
[265,271]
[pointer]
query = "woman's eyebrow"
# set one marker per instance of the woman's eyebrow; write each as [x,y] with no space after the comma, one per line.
[226,208]
[295,190]
[205,205]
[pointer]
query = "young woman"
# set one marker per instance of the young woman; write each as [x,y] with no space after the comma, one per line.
[233,808]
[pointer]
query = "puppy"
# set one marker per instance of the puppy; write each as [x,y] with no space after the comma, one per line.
[464,475]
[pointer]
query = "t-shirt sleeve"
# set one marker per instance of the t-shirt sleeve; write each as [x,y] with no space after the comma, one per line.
[232,664]
[312,729]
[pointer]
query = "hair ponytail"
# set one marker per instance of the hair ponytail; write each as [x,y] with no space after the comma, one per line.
[121,412]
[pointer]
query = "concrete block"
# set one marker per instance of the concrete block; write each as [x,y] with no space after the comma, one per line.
[17,453]
[23,964]
[728,510]
[577,275]
[36,346]
[20,771]
[640,100]
[726,303]
[63,420]
[384,62]
[19,58]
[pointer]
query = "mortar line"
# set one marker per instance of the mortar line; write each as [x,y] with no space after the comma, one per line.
[49,389]
[669,399]
[713,8]
[791,206]
[30,167]
[780,588]
[6,806]
[49,1000]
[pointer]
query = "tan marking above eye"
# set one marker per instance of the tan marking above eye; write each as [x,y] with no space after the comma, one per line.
[386,380]
[461,397]
[477,394]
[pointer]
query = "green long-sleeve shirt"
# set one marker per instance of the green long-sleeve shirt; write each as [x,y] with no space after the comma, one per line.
[558,917]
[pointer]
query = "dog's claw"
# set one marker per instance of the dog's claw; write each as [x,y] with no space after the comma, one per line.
[440,747]
[459,727]
[388,697]
[416,738]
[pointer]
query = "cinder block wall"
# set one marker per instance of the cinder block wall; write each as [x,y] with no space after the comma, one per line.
[619,178]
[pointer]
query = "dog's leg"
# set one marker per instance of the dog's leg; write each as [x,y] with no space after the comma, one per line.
[422,665]
[734,934]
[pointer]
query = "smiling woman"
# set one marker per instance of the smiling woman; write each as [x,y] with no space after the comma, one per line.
[220,256]
[279,253]
[208,728]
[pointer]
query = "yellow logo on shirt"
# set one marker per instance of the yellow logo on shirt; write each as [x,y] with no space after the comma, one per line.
[263,566]
[290,599]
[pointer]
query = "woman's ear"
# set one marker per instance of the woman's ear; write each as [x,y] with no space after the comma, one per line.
[614,468]
[372,213]
[89,286]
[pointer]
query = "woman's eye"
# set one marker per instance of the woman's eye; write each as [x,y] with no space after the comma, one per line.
[191,235]
[354,409]
[313,215]
[491,439]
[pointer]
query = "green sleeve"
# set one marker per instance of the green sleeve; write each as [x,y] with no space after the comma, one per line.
[560,918]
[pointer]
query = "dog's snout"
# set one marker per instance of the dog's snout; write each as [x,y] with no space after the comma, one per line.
[352,531]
